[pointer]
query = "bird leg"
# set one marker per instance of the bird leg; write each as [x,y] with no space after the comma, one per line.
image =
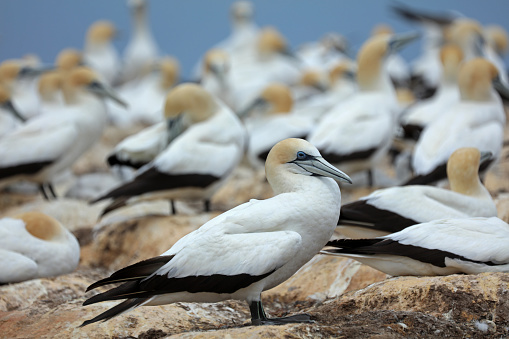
[41,188]
[172,205]
[258,316]
[51,190]
[206,204]
[370,177]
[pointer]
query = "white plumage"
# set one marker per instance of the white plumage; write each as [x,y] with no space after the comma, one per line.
[439,247]
[34,245]
[246,250]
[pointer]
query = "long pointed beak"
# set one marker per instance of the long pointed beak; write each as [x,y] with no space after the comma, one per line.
[10,107]
[292,56]
[398,41]
[485,156]
[106,91]
[219,74]
[320,166]
[34,71]
[175,127]
[501,88]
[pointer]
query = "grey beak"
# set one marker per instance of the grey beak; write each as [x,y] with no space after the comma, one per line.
[26,72]
[320,166]
[175,127]
[485,157]
[106,91]
[398,41]
[501,88]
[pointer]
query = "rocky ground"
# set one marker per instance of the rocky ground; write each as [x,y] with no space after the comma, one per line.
[344,298]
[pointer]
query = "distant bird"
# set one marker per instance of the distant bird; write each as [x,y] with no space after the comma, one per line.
[271,121]
[337,86]
[423,112]
[50,89]
[358,132]
[49,143]
[397,67]
[99,52]
[392,209]
[215,73]
[477,120]
[331,49]
[246,250]
[205,143]
[35,245]
[68,59]
[142,49]
[21,81]
[497,41]
[146,96]
[439,247]
[426,69]
[272,61]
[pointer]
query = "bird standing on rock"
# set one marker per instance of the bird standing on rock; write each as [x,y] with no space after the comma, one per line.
[246,250]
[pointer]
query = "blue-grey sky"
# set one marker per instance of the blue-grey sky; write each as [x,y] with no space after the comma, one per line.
[186,29]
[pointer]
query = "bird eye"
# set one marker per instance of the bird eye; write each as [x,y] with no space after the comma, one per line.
[301,155]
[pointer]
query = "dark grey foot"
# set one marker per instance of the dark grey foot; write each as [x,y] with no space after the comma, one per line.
[172,205]
[297,318]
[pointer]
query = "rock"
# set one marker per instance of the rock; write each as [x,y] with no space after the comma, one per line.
[123,243]
[325,277]
[447,305]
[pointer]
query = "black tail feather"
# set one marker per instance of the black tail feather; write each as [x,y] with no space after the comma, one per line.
[117,310]
[136,271]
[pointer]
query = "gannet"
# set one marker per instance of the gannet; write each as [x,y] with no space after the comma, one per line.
[392,209]
[35,245]
[49,143]
[205,143]
[51,97]
[477,120]
[426,68]
[271,121]
[271,62]
[142,49]
[99,52]
[397,67]
[246,250]
[419,115]
[68,59]
[214,76]
[331,49]
[21,81]
[357,133]
[439,247]
[339,85]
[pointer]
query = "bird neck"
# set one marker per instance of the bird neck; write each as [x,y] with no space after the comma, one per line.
[473,187]
[139,19]
[372,76]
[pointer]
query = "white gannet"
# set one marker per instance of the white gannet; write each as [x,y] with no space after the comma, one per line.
[339,85]
[146,95]
[419,115]
[439,247]
[51,96]
[393,209]
[272,121]
[397,67]
[35,245]
[142,49]
[331,49]
[426,68]
[21,81]
[49,143]
[358,132]
[205,143]
[10,118]
[214,76]
[99,52]
[240,45]
[477,120]
[246,250]
[271,62]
